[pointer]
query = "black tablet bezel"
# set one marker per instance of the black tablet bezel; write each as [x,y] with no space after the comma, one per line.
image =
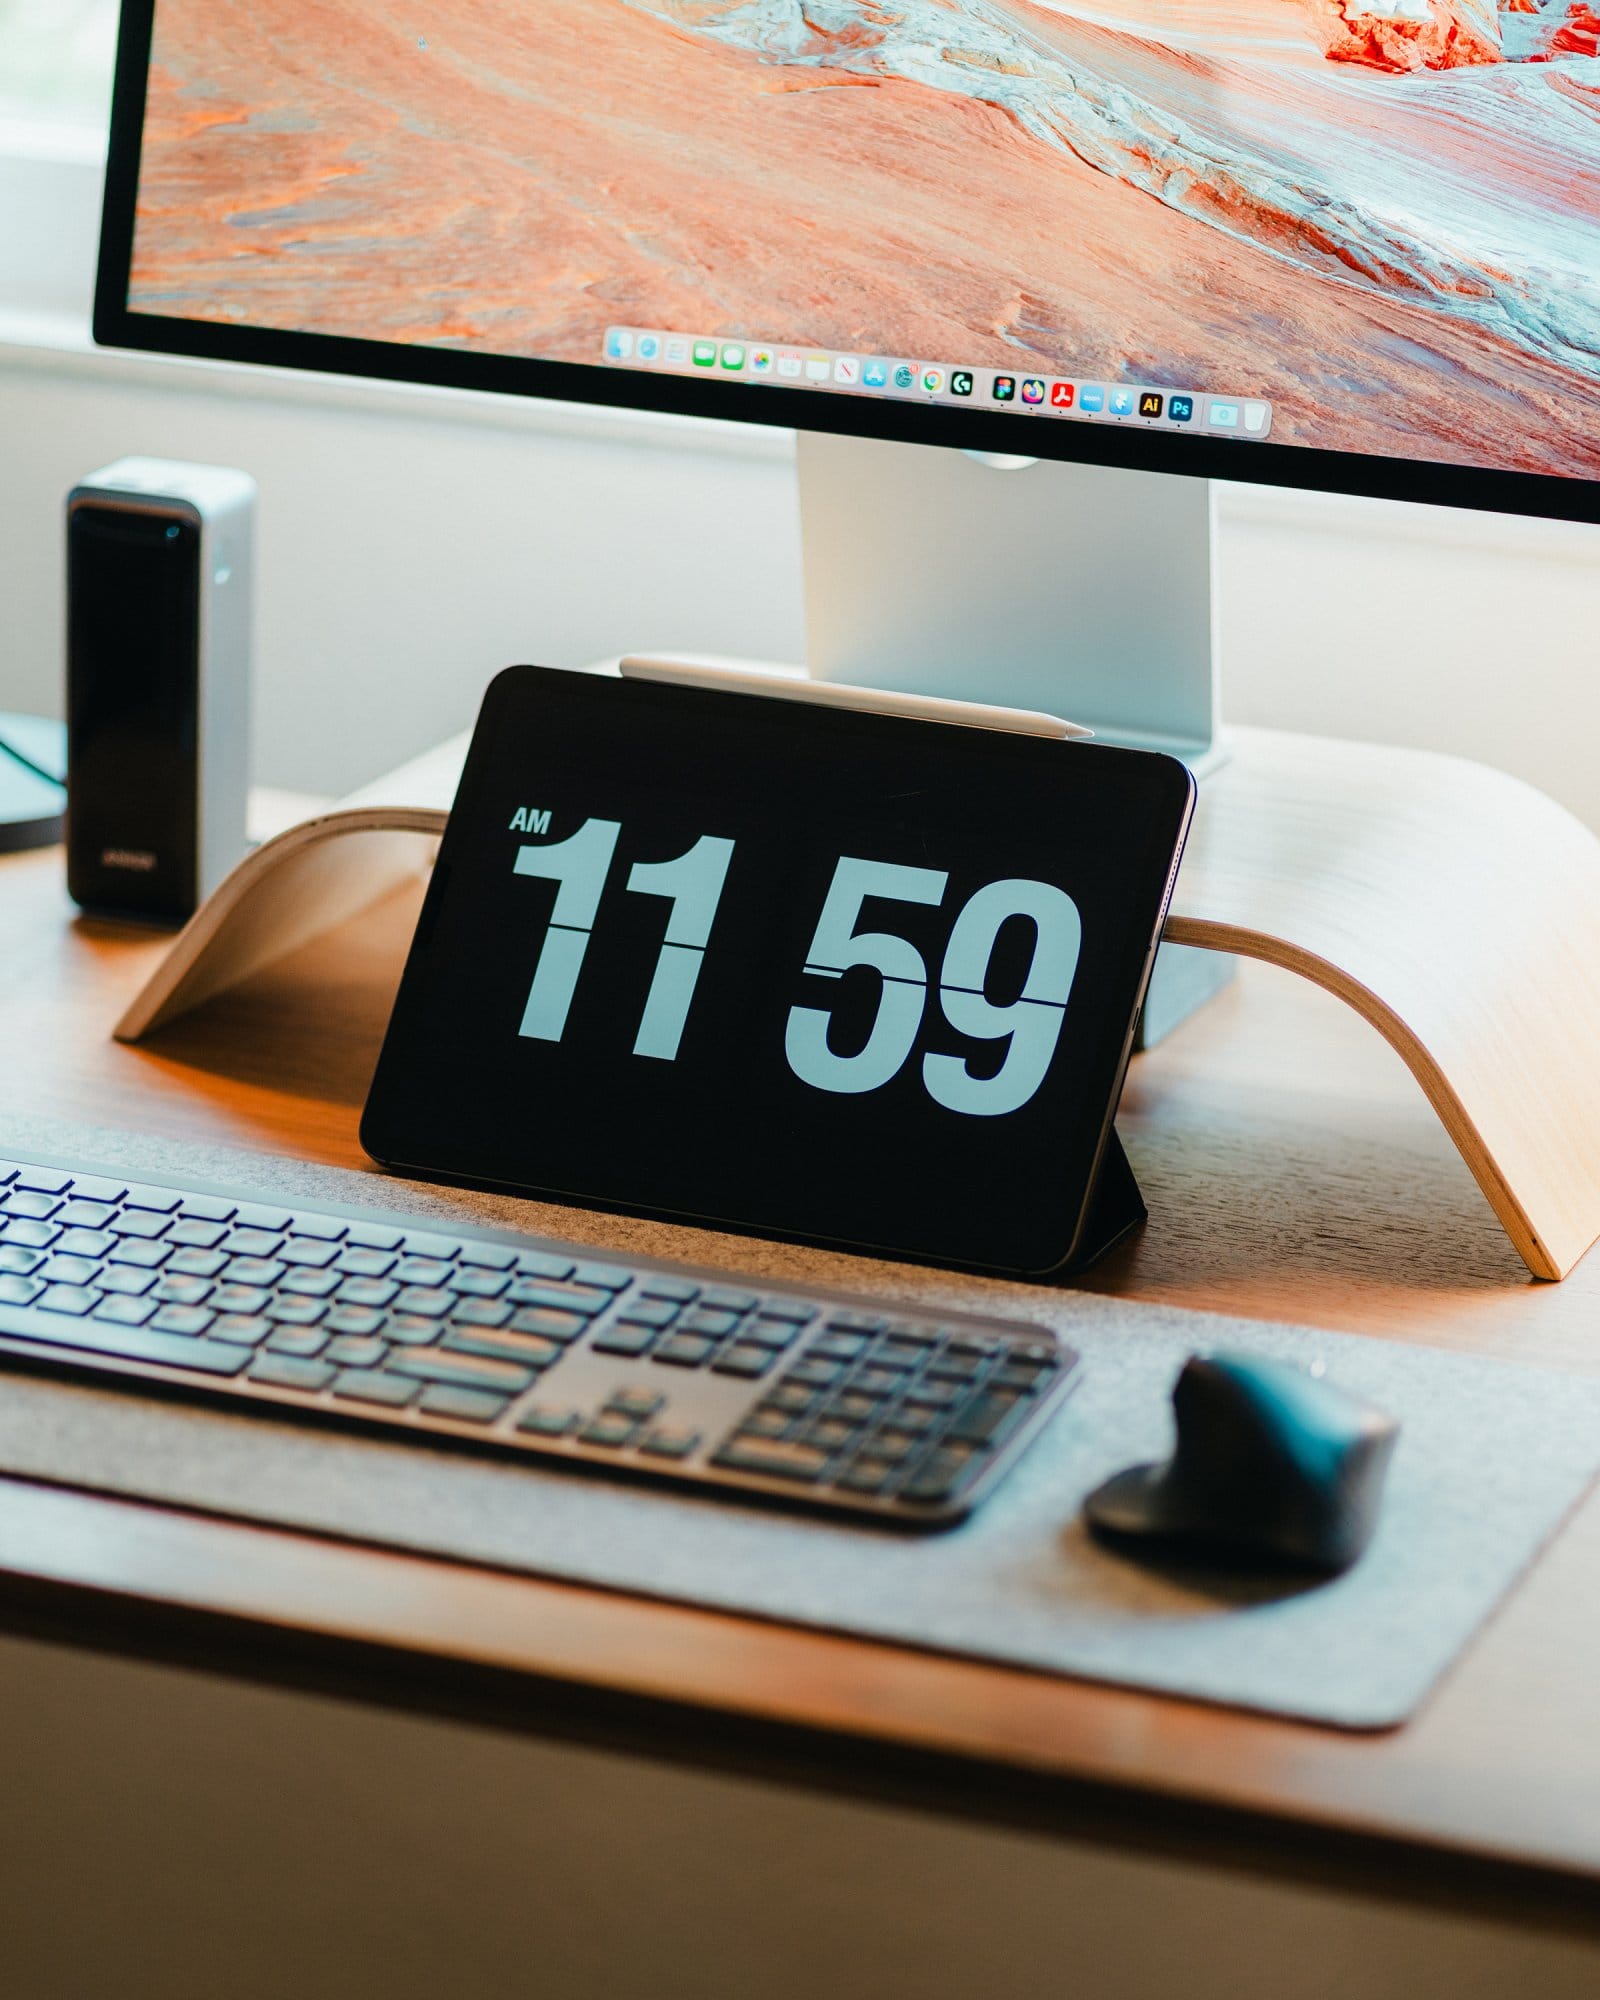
[1434,482]
[523,704]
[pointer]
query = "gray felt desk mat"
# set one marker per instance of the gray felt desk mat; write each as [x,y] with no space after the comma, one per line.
[1492,1457]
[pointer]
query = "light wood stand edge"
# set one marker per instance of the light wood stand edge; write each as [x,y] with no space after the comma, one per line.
[1454,908]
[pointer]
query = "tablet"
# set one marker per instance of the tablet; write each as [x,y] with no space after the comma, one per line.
[850,978]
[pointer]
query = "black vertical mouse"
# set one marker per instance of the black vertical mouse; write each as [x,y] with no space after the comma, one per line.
[1273,1466]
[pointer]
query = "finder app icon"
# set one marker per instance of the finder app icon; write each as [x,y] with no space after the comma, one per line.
[619,344]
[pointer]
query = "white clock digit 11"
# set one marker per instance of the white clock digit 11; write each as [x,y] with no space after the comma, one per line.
[578,866]
[1032,1021]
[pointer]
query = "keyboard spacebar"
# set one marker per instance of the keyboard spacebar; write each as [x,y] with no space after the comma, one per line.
[127,1343]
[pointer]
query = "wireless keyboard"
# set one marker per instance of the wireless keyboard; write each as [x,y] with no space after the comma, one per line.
[520,1346]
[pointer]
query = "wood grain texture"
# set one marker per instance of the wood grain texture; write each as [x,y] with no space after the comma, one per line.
[1457,910]
[1293,1170]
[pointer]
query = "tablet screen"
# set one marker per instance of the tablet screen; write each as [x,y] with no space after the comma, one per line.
[815,973]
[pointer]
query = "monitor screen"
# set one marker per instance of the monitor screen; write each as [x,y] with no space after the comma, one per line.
[1346,243]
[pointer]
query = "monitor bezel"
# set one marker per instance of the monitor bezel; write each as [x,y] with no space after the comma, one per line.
[115,324]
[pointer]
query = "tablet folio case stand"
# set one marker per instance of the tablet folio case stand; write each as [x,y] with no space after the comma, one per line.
[1115,1208]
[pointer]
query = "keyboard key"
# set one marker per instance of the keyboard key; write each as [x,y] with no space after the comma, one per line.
[571,1298]
[832,1434]
[546,1420]
[254,1215]
[208,1208]
[17,1291]
[769,1423]
[308,1253]
[85,1242]
[27,1235]
[715,1324]
[855,1322]
[679,1290]
[374,1385]
[548,1321]
[43,1180]
[134,1222]
[426,1301]
[59,1270]
[326,1227]
[155,1201]
[740,1359]
[623,1340]
[472,1406]
[609,1428]
[528,1349]
[182,1319]
[24,1206]
[988,1418]
[70,1299]
[773,1333]
[368,1292]
[22,1263]
[771,1456]
[815,1374]
[201,1235]
[488,1257]
[424,1243]
[358,1350]
[353,1319]
[681,1350]
[253,1270]
[609,1277]
[282,1371]
[480,1312]
[359,1263]
[197,1263]
[410,1329]
[75,1214]
[182,1291]
[867,1475]
[242,1242]
[125,1311]
[373,1236]
[795,1311]
[857,1405]
[289,1311]
[243,1328]
[651,1312]
[299,1340]
[303,1284]
[465,1370]
[472,1284]
[537,1264]
[139,1256]
[131,1343]
[423,1270]
[635,1403]
[795,1397]
[940,1476]
[228,1298]
[669,1441]
[726,1301]
[836,1347]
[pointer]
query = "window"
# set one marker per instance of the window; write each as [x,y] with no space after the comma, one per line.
[55,61]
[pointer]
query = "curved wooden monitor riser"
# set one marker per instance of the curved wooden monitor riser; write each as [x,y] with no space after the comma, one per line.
[1454,908]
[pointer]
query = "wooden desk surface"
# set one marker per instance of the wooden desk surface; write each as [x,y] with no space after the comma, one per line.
[1292,1172]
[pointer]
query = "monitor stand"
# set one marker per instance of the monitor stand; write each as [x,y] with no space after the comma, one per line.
[1079,590]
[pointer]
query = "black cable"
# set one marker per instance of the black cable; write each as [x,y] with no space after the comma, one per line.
[50,777]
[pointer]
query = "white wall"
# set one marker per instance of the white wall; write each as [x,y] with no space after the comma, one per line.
[412,542]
